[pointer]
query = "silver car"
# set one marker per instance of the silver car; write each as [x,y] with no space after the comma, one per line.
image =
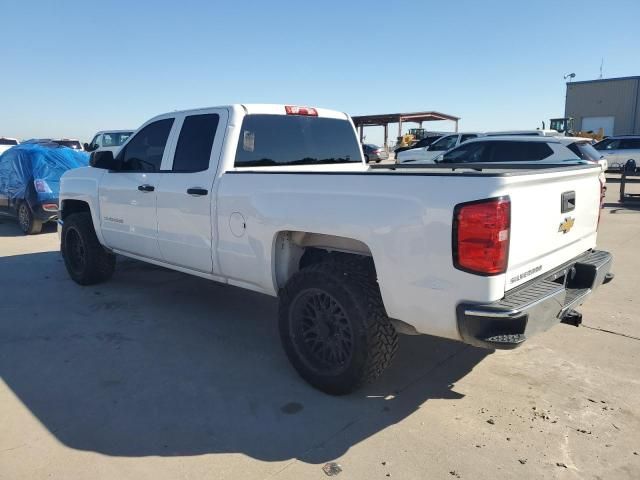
[620,149]
[374,153]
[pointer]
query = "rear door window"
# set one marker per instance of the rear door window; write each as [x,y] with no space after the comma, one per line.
[630,144]
[519,151]
[470,152]
[194,144]
[464,138]
[145,150]
[271,140]
[608,144]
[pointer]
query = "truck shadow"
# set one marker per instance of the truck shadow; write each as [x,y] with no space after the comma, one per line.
[155,362]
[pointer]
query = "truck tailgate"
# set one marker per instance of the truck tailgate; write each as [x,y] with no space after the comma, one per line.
[554,218]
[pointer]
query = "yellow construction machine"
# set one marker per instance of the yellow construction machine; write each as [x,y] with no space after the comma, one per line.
[565,126]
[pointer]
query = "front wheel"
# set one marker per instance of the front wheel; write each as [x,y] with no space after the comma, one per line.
[334,328]
[28,224]
[86,259]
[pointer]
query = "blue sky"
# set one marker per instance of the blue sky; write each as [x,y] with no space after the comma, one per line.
[69,68]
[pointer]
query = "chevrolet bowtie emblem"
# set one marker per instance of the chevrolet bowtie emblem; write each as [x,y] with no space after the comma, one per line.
[566,225]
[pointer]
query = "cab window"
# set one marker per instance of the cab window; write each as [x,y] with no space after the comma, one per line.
[144,152]
[445,143]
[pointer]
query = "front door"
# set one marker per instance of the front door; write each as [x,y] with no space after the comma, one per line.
[128,195]
[185,195]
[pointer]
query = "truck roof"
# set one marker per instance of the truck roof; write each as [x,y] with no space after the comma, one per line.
[100,132]
[261,108]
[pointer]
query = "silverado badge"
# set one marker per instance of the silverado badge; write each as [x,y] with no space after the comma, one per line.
[566,225]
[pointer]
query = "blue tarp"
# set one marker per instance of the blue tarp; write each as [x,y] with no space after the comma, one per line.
[37,162]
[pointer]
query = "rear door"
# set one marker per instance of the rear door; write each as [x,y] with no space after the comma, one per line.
[629,149]
[185,194]
[554,218]
[610,149]
[128,196]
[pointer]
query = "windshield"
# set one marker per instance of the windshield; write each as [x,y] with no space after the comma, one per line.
[115,139]
[75,144]
[8,141]
[585,151]
[269,140]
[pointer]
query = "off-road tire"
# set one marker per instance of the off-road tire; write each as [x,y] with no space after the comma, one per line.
[26,221]
[352,283]
[86,260]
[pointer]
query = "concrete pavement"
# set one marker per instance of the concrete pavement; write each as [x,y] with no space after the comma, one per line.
[159,375]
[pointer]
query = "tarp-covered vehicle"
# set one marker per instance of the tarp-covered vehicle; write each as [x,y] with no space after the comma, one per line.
[30,181]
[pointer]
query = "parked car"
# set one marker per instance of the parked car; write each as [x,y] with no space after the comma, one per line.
[278,199]
[619,149]
[492,149]
[374,153]
[108,140]
[429,153]
[30,181]
[7,143]
[424,142]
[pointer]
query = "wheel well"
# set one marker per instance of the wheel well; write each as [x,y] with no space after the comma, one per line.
[296,250]
[73,206]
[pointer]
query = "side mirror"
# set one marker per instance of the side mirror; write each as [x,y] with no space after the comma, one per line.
[104,160]
[439,158]
[86,146]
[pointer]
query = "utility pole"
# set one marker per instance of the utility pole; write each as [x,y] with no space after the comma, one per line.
[601,64]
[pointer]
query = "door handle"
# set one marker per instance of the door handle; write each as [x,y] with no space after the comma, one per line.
[146,188]
[197,191]
[568,203]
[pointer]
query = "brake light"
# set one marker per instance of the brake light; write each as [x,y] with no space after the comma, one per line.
[41,186]
[481,236]
[50,207]
[308,111]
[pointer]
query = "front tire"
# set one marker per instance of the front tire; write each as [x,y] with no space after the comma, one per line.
[333,326]
[28,224]
[86,259]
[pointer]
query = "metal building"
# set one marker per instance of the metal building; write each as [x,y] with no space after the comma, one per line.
[612,104]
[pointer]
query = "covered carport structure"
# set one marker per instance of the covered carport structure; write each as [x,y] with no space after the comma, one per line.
[384,120]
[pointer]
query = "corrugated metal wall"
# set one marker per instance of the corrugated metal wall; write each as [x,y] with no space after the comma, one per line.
[608,97]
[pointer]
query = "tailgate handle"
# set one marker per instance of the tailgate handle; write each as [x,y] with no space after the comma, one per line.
[568,202]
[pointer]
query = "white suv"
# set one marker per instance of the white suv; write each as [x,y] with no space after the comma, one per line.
[512,149]
[620,149]
[428,154]
[110,140]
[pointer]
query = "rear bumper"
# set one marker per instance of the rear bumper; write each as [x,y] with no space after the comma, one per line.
[44,215]
[536,306]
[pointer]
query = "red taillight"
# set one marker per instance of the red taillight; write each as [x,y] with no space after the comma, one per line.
[481,236]
[41,186]
[308,111]
[50,207]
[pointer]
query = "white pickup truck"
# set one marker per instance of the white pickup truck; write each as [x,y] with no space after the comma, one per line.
[278,199]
